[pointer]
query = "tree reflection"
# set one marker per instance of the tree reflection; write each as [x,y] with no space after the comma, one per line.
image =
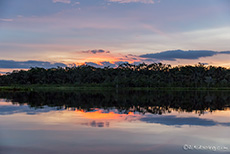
[155,102]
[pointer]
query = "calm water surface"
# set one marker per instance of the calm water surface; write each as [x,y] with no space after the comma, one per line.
[114,122]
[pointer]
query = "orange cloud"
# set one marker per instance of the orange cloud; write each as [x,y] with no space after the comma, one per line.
[110,58]
[100,115]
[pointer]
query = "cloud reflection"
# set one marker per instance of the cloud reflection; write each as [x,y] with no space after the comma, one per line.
[96,124]
[97,117]
[14,109]
[172,120]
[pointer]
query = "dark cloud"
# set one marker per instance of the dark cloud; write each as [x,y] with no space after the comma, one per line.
[172,55]
[179,121]
[11,64]
[8,110]
[120,62]
[224,52]
[96,124]
[96,51]
[108,64]
[93,64]
[105,64]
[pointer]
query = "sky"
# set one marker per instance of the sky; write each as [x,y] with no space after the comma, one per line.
[100,33]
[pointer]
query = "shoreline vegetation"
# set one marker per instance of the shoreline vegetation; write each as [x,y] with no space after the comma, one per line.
[156,76]
[30,88]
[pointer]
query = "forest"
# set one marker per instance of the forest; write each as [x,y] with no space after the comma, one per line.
[125,75]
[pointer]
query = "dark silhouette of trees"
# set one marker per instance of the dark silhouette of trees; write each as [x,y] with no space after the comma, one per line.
[125,75]
[125,101]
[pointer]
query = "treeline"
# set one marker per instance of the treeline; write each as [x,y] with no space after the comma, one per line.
[125,75]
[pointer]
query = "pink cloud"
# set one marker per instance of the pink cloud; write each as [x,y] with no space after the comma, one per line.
[155,30]
[133,1]
[6,19]
[60,19]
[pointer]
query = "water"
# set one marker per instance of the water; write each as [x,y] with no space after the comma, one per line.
[114,122]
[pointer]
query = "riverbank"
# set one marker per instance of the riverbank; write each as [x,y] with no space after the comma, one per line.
[103,88]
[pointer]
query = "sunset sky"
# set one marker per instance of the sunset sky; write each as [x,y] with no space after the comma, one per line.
[50,33]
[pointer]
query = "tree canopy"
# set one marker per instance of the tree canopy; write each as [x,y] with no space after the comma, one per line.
[125,75]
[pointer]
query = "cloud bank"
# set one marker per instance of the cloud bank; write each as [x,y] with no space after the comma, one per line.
[8,64]
[133,1]
[172,55]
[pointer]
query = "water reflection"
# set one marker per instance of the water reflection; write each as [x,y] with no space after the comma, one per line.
[155,102]
[96,124]
[111,122]
[13,109]
[178,121]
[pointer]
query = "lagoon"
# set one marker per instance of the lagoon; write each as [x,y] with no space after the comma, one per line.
[114,122]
